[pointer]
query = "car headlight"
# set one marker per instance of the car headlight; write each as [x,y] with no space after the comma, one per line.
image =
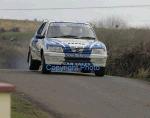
[98,51]
[55,49]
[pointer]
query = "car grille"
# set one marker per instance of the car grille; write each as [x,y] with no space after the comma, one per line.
[77,50]
[77,60]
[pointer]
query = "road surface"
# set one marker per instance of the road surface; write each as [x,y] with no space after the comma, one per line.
[83,95]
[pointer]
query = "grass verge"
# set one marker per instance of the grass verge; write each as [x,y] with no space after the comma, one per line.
[23,108]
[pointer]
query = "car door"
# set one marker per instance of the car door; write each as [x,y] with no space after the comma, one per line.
[37,42]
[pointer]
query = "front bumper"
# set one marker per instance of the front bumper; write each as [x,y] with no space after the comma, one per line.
[61,58]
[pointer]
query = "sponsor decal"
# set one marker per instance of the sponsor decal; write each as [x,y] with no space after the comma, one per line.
[77,55]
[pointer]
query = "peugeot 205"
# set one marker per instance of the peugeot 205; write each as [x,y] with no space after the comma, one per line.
[67,46]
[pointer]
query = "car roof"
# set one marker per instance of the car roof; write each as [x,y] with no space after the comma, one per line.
[86,23]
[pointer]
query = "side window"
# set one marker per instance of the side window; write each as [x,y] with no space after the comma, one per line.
[40,30]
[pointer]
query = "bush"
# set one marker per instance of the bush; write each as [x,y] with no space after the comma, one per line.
[130,62]
[2,29]
[15,29]
[128,51]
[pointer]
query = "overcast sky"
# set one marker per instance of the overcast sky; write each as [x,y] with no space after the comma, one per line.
[134,16]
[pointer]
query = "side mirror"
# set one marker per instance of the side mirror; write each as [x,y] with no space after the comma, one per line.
[40,37]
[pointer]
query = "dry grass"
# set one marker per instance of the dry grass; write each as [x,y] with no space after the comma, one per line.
[142,73]
[23,25]
[14,45]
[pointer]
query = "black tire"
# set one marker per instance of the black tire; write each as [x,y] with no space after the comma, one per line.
[43,65]
[33,64]
[100,72]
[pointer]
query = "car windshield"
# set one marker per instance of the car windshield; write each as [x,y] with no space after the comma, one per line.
[70,30]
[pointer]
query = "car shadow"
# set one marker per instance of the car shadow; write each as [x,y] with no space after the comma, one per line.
[68,73]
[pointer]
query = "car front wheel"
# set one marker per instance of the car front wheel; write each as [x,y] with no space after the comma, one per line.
[44,69]
[100,72]
[33,64]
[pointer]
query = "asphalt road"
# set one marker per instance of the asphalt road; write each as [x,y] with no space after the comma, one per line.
[83,95]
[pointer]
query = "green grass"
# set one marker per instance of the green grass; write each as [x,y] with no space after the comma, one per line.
[20,36]
[23,108]
[14,46]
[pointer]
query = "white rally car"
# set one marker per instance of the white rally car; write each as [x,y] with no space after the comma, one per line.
[67,46]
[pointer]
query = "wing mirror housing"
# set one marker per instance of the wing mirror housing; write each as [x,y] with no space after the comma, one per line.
[40,37]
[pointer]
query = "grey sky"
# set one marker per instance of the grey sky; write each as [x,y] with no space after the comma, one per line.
[134,16]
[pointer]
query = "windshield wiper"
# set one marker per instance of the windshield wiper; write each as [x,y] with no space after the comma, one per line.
[86,37]
[54,37]
[68,36]
[72,36]
[65,36]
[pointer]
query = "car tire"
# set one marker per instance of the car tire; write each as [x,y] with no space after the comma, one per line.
[85,71]
[100,72]
[43,65]
[33,64]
